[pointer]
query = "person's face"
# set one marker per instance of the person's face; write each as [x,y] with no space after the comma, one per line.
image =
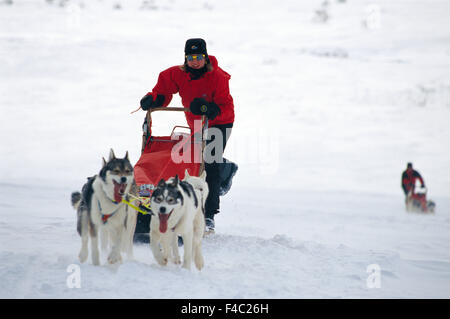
[196,61]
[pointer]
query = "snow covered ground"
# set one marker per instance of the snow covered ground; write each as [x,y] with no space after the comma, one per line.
[328,113]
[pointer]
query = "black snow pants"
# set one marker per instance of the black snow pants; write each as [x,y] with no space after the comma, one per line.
[213,178]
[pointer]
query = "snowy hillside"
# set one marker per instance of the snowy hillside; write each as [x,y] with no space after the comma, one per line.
[332,100]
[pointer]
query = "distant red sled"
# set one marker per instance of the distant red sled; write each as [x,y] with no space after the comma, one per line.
[417,202]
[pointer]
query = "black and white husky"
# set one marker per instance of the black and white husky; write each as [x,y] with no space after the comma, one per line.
[100,210]
[178,209]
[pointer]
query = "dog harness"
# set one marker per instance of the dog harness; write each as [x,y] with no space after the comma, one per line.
[105,217]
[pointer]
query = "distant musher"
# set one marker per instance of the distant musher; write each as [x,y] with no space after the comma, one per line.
[415,198]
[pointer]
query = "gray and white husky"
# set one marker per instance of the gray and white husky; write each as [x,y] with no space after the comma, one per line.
[100,210]
[178,209]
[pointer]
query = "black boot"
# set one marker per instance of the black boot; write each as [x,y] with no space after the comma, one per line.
[209,226]
[227,171]
[209,222]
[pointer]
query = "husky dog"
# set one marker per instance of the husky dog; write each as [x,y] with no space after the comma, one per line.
[200,186]
[99,208]
[107,238]
[178,210]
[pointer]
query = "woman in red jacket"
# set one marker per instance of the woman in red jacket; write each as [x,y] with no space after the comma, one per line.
[203,88]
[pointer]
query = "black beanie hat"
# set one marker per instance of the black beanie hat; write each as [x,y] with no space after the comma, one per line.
[195,46]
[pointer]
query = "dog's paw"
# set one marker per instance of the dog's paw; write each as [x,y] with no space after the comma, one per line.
[163,261]
[130,256]
[176,260]
[95,257]
[83,256]
[187,266]
[114,258]
[208,233]
[199,263]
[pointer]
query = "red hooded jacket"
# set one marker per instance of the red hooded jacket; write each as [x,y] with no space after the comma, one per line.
[212,86]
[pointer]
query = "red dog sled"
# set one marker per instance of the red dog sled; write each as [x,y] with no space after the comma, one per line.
[417,202]
[167,156]
[164,157]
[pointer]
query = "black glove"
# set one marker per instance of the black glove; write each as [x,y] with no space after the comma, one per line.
[148,103]
[200,106]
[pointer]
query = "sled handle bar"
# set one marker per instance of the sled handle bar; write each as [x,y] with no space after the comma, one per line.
[176,109]
[173,109]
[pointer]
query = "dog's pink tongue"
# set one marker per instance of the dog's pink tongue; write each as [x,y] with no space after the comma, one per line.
[119,191]
[163,222]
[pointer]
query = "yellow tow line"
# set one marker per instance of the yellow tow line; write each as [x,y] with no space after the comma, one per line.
[143,201]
